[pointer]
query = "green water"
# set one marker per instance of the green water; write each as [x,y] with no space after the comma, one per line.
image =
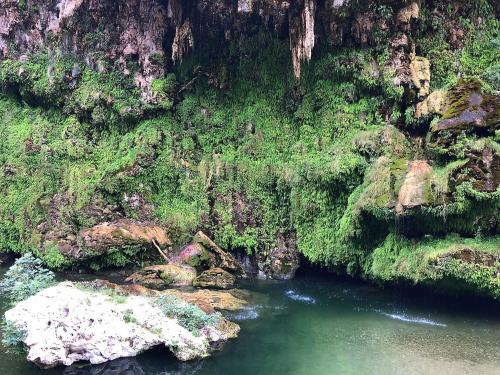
[319,325]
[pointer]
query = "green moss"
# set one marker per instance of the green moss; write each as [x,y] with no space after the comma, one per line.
[431,262]
[244,155]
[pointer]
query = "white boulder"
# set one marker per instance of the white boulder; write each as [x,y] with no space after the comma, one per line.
[66,324]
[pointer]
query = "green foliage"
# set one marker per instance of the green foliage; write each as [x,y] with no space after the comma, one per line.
[25,278]
[241,150]
[12,337]
[433,262]
[128,317]
[188,315]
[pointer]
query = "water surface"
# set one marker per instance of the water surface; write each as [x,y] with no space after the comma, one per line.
[320,325]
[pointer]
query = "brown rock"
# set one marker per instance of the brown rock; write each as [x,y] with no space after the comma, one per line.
[224,259]
[195,255]
[215,278]
[120,233]
[207,300]
[164,275]
[467,107]
[415,183]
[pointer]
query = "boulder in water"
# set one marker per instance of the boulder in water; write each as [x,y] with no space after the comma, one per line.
[164,275]
[215,278]
[68,323]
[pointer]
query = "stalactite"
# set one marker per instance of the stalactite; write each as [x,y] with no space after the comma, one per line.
[183,40]
[302,34]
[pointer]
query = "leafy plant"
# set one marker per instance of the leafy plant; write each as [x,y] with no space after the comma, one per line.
[12,337]
[25,278]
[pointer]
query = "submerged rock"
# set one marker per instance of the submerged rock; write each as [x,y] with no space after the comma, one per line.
[69,323]
[164,275]
[215,278]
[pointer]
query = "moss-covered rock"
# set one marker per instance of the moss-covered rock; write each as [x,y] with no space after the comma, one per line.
[163,276]
[215,278]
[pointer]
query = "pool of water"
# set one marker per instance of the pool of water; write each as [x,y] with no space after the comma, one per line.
[320,325]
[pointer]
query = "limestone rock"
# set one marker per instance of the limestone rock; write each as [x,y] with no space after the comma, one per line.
[195,255]
[420,70]
[467,107]
[406,14]
[107,235]
[433,104]
[415,183]
[215,278]
[164,275]
[207,300]
[482,168]
[224,259]
[302,34]
[65,324]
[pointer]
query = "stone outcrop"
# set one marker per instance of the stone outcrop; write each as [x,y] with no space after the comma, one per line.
[215,278]
[164,275]
[415,184]
[420,70]
[207,300]
[224,260]
[467,108]
[105,236]
[302,34]
[195,255]
[67,323]
[433,104]
[283,260]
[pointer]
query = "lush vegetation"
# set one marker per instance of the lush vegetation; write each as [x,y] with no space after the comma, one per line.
[25,278]
[249,152]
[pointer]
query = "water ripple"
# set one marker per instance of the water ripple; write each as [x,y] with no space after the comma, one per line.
[299,297]
[412,319]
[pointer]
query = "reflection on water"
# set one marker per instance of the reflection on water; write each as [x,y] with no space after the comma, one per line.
[316,325]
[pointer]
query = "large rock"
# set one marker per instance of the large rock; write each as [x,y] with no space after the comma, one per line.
[215,278]
[108,235]
[207,300]
[420,70]
[164,275]
[433,104]
[195,255]
[467,107]
[415,184]
[223,259]
[65,324]
[283,260]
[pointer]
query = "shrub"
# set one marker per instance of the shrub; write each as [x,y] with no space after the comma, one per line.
[12,337]
[189,316]
[25,278]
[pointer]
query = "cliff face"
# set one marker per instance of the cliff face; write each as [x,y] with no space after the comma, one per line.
[358,134]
